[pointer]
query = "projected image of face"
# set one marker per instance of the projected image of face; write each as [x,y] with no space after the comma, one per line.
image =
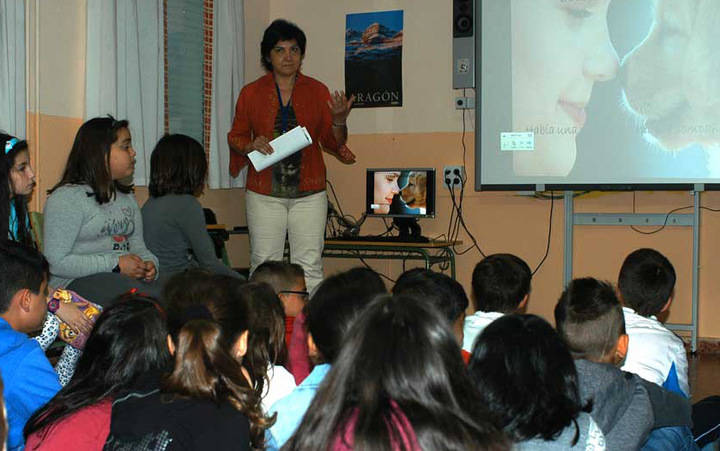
[671,78]
[560,49]
[386,187]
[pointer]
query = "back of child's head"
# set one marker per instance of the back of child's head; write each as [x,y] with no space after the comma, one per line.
[441,290]
[526,377]
[178,165]
[266,343]
[589,318]
[128,341]
[185,288]
[212,312]
[500,282]
[21,267]
[210,334]
[646,281]
[280,275]
[335,305]
[399,357]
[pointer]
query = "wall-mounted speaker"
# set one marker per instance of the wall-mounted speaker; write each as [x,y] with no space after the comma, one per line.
[463,44]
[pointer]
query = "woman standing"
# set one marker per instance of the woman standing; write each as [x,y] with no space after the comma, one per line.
[289,197]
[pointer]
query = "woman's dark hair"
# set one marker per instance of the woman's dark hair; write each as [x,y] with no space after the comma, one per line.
[19,202]
[178,165]
[399,357]
[127,341]
[204,332]
[280,30]
[526,377]
[89,159]
[266,344]
[336,303]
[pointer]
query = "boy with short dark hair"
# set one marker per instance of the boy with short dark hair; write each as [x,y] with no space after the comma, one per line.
[288,282]
[627,408]
[335,305]
[500,286]
[445,293]
[646,284]
[29,379]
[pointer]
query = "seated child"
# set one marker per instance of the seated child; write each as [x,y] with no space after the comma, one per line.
[331,311]
[29,379]
[288,281]
[627,408]
[128,343]
[500,285]
[207,401]
[656,354]
[530,385]
[395,386]
[445,293]
[173,219]
[267,353]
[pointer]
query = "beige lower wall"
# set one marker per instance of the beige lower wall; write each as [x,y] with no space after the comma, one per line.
[501,221]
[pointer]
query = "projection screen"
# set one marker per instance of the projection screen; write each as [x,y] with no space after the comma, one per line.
[596,93]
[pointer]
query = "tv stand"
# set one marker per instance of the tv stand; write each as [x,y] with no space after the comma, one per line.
[409,230]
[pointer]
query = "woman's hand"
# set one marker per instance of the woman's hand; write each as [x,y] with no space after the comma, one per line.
[150,271]
[340,107]
[261,144]
[345,155]
[132,266]
[70,314]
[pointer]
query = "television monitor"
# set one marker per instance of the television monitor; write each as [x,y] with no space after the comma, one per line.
[582,94]
[400,192]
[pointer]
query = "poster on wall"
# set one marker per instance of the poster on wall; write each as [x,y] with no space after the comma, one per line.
[373,58]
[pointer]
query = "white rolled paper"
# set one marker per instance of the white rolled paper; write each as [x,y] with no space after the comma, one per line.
[284,145]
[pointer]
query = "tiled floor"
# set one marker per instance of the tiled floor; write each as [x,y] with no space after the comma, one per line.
[704,374]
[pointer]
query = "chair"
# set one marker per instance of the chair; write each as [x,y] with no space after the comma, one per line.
[36,225]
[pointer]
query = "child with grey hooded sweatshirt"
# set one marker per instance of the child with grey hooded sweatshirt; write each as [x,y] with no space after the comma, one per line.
[631,412]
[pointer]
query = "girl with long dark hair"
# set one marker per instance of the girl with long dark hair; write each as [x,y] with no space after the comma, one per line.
[267,353]
[127,345]
[15,167]
[93,226]
[399,383]
[207,401]
[526,377]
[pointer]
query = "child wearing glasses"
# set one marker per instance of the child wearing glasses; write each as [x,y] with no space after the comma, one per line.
[288,281]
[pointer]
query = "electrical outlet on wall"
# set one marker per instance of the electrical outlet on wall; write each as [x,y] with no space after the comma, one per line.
[454,176]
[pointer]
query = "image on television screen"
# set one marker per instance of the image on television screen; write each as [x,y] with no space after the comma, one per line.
[581,92]
[400,192]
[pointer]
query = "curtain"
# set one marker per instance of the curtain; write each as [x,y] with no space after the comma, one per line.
[125,71]
[13,108]
[227,81]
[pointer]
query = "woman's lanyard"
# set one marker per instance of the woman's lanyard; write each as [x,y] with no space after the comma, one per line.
[284,111]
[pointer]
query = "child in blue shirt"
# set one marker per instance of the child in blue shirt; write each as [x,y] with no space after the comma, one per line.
[29,379]
[329,314]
